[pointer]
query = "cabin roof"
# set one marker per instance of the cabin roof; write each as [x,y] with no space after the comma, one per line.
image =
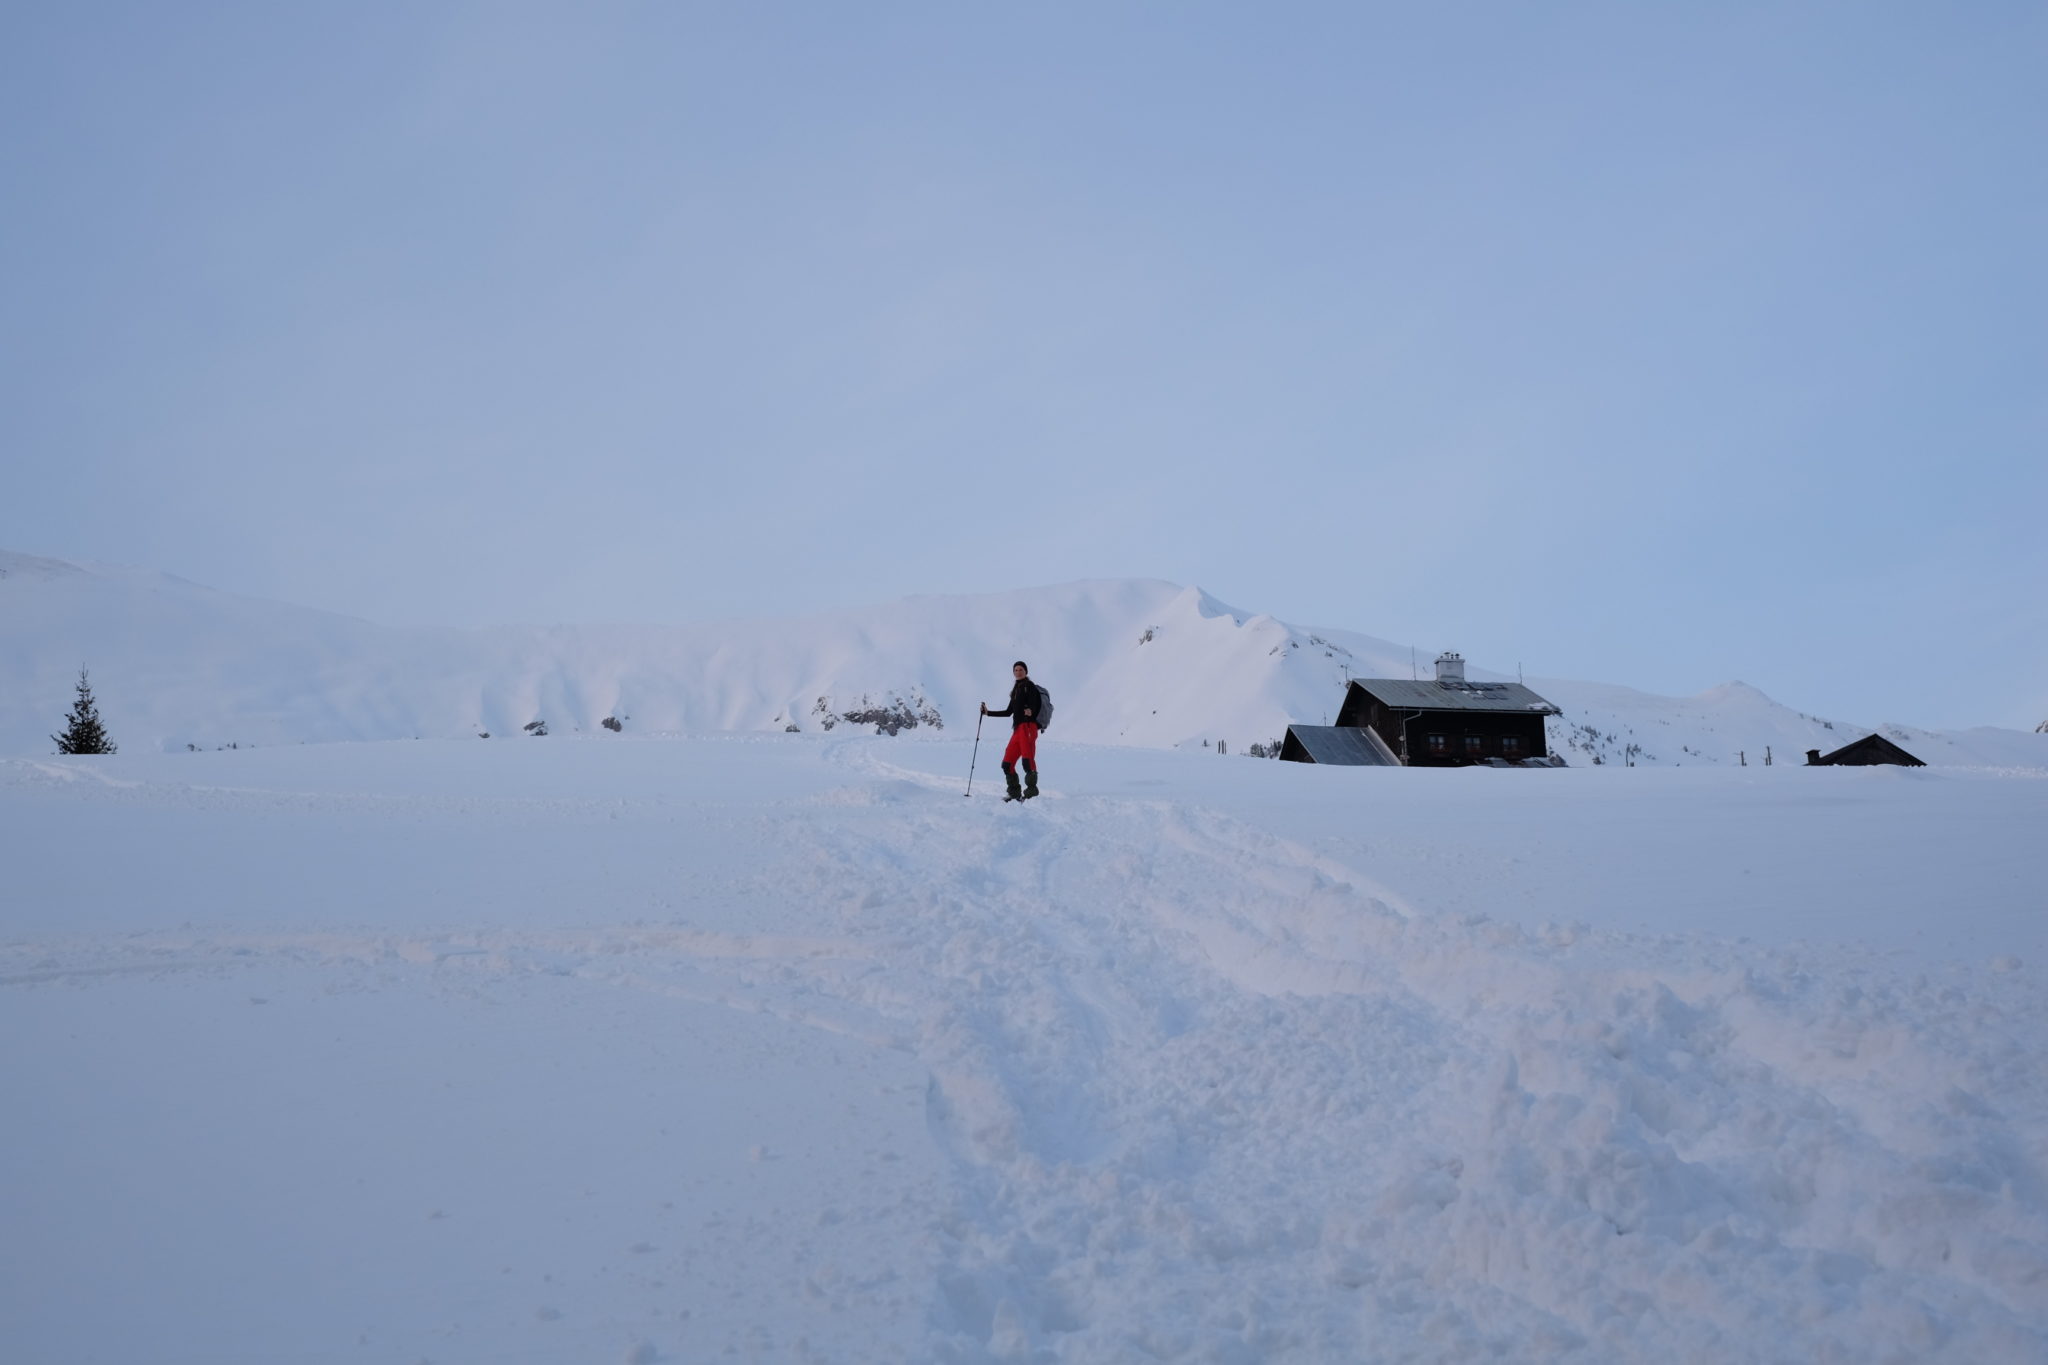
[1404,694]
[1871,746]
[1347,745]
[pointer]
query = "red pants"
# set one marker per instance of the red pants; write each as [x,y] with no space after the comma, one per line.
[1024,744]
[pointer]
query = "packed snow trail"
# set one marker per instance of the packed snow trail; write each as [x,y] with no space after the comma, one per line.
[1199,1081]
[1197,1093]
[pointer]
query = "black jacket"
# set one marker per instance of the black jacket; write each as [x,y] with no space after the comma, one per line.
[1023,697]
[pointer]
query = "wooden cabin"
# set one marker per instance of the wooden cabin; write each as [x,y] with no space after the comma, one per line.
[1863,753]
[1445,722]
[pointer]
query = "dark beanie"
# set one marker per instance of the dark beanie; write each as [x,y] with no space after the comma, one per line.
[1021,664]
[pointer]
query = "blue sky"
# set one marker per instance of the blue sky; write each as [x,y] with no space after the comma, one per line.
[1661,345]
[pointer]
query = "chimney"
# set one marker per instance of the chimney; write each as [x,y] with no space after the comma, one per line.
[1450,667]
[1813,758]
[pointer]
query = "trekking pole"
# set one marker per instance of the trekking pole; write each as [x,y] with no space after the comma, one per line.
[977,755]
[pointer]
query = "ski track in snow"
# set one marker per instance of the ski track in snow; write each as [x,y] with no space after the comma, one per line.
[1207,1096]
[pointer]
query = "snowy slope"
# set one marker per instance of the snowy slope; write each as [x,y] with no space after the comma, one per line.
[773,1047]
[1136,662]
[1735,724]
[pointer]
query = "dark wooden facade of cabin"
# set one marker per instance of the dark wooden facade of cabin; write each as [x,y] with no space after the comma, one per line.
[1863,753]
[1449,736]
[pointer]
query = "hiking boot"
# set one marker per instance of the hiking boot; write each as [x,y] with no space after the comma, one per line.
[1030,783]
[1010,776]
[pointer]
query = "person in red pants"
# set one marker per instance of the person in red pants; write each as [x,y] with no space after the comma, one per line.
[1023,712]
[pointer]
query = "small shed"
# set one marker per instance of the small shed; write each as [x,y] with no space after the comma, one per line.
[1865,752]
[1345,745]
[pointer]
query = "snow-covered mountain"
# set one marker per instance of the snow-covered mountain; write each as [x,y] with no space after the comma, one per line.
[1132,662]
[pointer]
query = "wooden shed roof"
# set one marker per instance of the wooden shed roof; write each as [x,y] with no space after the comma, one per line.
[1870,750]
[1345,745]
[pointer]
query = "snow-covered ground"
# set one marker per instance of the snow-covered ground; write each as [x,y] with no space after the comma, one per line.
[774,1047]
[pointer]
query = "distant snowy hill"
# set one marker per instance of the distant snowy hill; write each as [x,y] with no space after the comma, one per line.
[1130,662]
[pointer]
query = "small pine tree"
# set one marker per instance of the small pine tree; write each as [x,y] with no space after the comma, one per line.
[83,733]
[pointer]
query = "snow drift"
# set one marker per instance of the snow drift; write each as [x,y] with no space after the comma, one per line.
[772,1047]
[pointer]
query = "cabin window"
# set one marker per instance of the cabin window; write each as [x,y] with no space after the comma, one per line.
[1511,745]
[1472,745]
[1439,745]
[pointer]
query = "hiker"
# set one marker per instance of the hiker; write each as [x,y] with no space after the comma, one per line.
[1023,712]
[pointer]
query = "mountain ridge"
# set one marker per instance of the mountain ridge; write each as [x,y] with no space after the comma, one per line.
[1141,661]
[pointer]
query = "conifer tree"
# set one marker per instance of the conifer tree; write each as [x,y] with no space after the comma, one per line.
[83,733]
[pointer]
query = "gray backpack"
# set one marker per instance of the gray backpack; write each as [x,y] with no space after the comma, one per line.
[1044,716]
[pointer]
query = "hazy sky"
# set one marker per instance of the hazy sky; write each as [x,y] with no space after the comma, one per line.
[1656,344]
